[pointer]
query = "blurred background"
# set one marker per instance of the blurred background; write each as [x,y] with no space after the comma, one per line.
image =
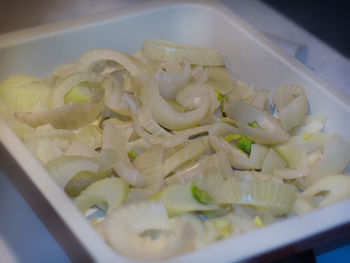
[315,32]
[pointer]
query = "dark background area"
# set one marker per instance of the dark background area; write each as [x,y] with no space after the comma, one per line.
[328,20]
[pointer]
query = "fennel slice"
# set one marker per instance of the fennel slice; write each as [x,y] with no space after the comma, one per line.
[336,188]
[302,206]
[220,78]
[210,183]
[64,168]
[277,198]
[112,191]
[32,97]
[190,152]
[20,128]
[91,135]
[79,93]
[335,159]
[294,155]
[64,87]
[82,180]
[44,149]
[178,199]
[126,224]
[165,115]
[150,163]
[90,59]
[66,117]
[200,232]
[272,161]
[172,51]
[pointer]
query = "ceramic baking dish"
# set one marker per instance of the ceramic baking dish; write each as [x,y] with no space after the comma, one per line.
[251,58]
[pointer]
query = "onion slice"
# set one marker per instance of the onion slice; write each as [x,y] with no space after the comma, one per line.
[165,115]
[168,141]
[336,186]
[291,104]
[114,97]
[269,131]
[64,168]
[334,160]
[90,59]
[166,50]
[112,191]
[66,117]
[67,84]
[127,228]
[171,84]
[277,198]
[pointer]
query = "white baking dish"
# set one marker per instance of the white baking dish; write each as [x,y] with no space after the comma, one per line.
[250,57]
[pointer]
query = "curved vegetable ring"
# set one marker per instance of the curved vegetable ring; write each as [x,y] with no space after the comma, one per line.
[67,84]
[127,229]
[165,115]
[166,50]
[91,58]
[269,131]
[112,191]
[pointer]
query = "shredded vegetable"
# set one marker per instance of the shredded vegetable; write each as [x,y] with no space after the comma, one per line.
[171,150]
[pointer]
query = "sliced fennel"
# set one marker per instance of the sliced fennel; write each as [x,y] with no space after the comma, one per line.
[82,180]
[273,161]
[165,115]
[171,122]
[33,97]
[44,149]
[112,191]
[276,198]
[64,168]
[213,164]
[66,117]
[336,188]
[334,160]
[116,138]
[90,59]
[291,104]
[150,163]
[90,135]
[129,231]
[63,88]
[190,152]
[171,84]
[179,199]
[166,50]
[79,93]
[269,131]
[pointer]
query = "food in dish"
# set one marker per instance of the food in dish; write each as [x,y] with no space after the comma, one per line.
[174,151]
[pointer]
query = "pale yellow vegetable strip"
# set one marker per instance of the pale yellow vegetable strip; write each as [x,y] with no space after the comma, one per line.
[277,198]
[190,152]
[334,160]
[112,191]
[167,50]
[64,168]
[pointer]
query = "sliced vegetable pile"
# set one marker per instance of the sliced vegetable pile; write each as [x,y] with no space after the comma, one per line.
[175,152]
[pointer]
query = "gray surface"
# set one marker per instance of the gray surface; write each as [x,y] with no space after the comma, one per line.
[22,235]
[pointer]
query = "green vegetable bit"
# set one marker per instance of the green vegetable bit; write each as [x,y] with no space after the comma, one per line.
[254,124]
[200,195]
[307,136]
[245,144]
[221,98]
[132,155]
